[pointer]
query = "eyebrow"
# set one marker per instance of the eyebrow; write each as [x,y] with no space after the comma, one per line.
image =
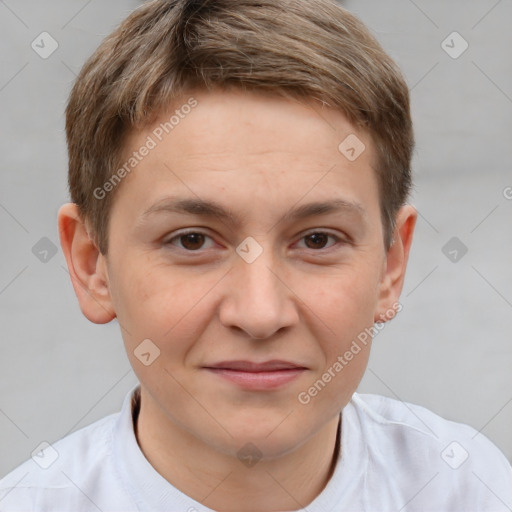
[211,209]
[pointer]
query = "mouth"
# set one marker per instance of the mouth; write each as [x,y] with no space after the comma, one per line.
[257,376]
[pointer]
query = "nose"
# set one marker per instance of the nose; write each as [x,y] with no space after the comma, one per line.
[258,299]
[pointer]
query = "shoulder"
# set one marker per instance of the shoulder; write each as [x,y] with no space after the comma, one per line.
[54,471]
[413,444]
[389,418]
[397,414]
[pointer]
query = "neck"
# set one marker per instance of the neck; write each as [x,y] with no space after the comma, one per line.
[221,482]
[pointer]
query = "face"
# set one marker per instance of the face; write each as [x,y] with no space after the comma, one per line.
[247,291]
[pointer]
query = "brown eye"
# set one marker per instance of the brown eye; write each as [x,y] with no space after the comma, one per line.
[316,240]
[191,241]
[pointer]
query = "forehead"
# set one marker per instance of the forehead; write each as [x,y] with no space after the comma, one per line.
[248,122]
[252,144]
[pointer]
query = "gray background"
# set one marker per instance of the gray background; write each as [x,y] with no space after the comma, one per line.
[449,349]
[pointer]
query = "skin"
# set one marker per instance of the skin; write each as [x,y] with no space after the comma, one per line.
[260,156]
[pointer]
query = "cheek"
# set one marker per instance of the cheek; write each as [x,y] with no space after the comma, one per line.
[345,303]
[345,298]
[163,304]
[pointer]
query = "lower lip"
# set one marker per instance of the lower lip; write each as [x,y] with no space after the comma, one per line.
[258,380]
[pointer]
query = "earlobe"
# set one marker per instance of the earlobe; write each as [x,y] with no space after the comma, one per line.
[86,266]
[396,263]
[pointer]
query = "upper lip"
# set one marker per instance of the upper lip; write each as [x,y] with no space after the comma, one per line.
[250,366]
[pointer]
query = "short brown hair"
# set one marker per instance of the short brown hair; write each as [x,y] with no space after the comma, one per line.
[295,48]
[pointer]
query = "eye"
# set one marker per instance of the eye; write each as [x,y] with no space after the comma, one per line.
[189,241]
[319,239]
[193,241]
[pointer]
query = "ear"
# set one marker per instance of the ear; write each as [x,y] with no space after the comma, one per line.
[86,265]
[393,276]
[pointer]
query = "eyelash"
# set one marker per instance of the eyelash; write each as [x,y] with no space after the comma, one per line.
[338,240]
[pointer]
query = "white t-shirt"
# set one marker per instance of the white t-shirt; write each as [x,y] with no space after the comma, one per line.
[394,457]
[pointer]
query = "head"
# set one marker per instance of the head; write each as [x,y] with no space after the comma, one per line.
[227,120]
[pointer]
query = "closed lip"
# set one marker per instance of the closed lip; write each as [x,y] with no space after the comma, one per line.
[254,367]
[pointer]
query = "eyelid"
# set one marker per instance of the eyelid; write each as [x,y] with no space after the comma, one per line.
[320,230]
